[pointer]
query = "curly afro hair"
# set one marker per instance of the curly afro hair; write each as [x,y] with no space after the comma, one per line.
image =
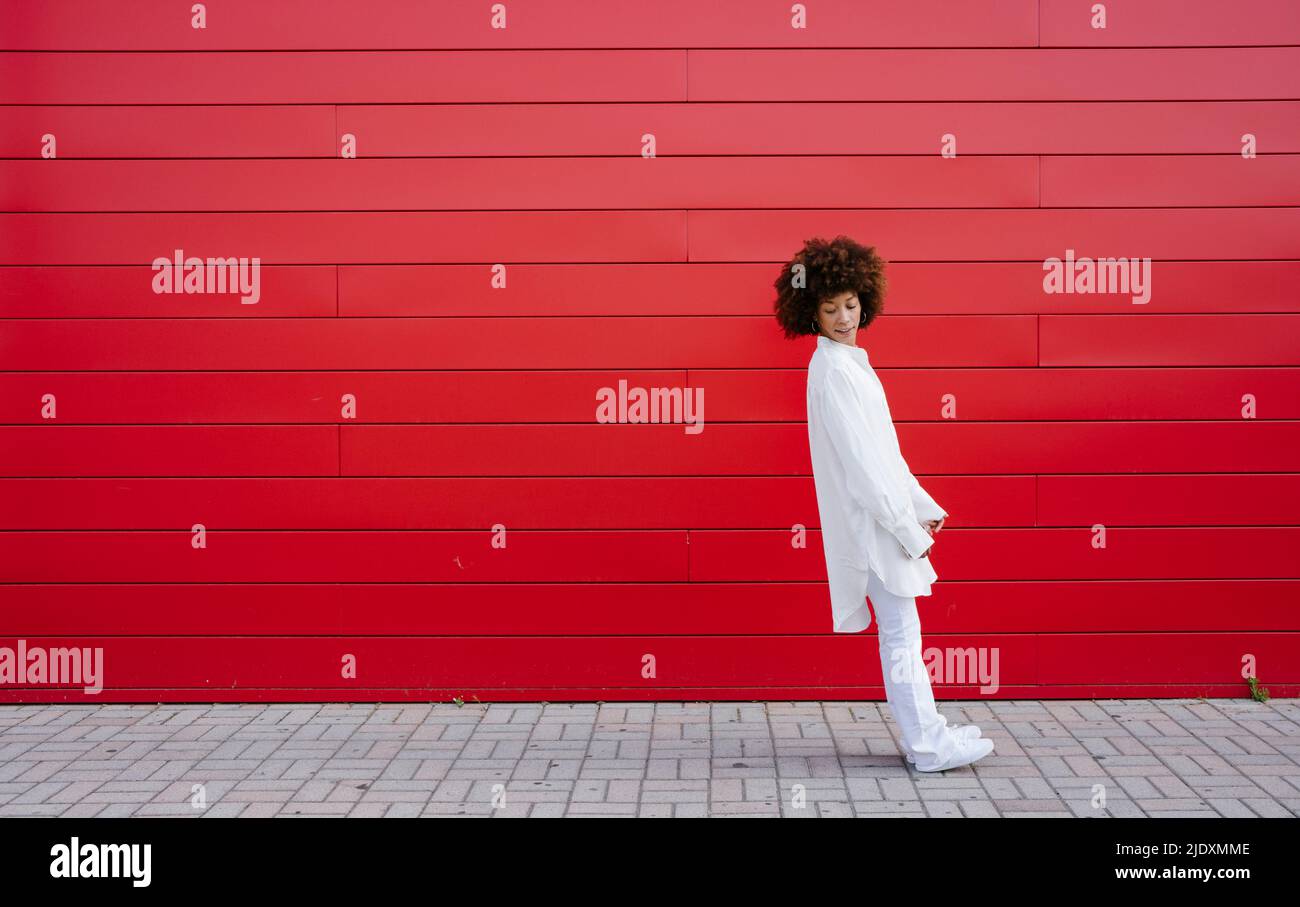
[828,269]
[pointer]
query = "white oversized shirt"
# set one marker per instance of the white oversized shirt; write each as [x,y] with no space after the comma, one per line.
[869,503]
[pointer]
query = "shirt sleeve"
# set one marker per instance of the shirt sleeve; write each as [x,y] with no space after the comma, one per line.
[870,483]
[925,506]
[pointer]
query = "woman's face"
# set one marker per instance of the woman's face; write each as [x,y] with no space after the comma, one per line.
[838,317]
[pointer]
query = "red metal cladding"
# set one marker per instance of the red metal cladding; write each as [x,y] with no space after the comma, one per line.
[611,129]
[320,341]
[259,665]
[250,25]
[608,609]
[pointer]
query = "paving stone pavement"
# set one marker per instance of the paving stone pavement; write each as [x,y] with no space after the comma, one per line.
[1093,758]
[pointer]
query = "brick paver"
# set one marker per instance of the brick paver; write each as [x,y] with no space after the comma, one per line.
[1094,758]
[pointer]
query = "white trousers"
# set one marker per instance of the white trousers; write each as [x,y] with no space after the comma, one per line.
[924,732]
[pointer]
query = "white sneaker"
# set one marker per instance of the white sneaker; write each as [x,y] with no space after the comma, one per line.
[964,732]
[966,752]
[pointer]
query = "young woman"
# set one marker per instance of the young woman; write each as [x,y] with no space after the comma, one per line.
[878,525]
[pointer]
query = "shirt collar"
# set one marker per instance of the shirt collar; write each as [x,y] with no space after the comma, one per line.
[840,349]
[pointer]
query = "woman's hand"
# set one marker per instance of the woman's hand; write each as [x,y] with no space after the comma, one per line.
[932,527]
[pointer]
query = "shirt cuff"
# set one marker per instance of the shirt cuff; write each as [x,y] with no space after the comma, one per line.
[925,506]
[930,513]
[915,540]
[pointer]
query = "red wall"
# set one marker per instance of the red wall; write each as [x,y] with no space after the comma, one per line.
[371,537]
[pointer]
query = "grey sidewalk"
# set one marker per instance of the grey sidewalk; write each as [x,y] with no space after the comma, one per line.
[1165,757]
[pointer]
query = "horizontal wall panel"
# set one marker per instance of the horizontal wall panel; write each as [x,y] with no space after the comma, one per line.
[1170,340]
[495,184]
[1136,553]
[247,25]
[613,129]
[341,24]
[540,397]
[1228,689]
[294,662]
[343,77]
[594,502]
[673,288]
[1174,180]
[577,450]
[728,449]
[596,609]
[210,131]
[513,76]
[1090,74]
[224,662]
[551,343]
[676,288]
[128,292]
[669,182]
[174,450]
[1053,448]
[921,395]
[978,448]
[861,127]
[395,237]
[1168,22]
[677,502]
[345,557]
[721,288]
[1161,657]
[286,397]
[1261,499]
[1183,233]
[407,237]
